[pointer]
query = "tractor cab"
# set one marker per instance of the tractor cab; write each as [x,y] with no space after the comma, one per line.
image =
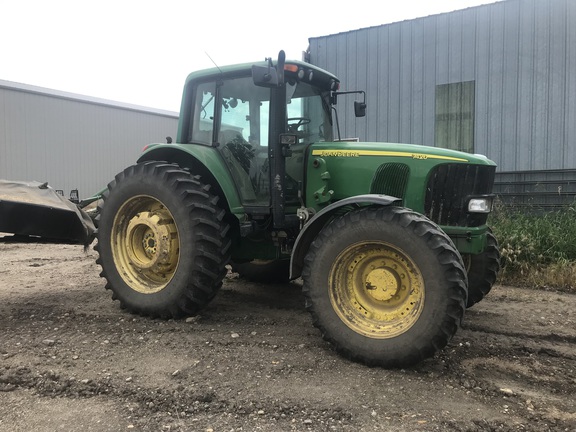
[261,119]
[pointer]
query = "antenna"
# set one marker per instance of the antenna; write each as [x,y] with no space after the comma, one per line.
[208,55]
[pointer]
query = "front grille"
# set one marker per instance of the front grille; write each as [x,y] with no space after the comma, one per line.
[448,188]
[390,179]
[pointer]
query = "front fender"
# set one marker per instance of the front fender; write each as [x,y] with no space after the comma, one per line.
[320,219]
[204,161]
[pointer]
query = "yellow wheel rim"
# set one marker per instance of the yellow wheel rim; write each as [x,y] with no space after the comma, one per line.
[145,244]
[376,289]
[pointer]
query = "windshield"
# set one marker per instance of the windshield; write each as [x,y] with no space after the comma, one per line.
[308,112]
[245,112]
[234,115]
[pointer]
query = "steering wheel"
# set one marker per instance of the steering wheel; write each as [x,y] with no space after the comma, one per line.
[298,121]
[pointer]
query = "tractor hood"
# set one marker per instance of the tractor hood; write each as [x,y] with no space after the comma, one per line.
[413,173]
[345,149]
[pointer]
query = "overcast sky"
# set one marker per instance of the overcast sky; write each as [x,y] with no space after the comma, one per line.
[140,51]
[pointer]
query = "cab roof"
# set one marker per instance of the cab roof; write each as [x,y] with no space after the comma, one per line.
[245,68]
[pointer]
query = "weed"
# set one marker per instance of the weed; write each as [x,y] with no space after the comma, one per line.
[538,248]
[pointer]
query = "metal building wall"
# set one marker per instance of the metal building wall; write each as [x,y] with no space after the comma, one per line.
[520,53]
[73,141]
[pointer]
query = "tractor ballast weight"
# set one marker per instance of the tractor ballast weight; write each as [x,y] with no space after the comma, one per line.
[391,240]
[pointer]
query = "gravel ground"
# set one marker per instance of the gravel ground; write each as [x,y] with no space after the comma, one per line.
[71,359]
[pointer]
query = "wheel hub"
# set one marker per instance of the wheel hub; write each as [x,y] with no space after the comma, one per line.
[150,242]
[381,284]
[376,289]
[146,245]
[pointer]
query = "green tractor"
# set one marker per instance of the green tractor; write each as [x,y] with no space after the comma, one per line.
[390,240]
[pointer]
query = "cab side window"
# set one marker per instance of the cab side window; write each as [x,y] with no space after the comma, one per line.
[203,121]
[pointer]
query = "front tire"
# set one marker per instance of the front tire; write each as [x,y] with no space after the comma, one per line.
[483,270]
[385,286]
[162,240]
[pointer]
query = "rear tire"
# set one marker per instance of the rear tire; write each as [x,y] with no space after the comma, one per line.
[385,286]
[482,271]
[162,241]
[274,271]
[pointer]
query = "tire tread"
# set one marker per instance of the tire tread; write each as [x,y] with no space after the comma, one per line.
[210,235]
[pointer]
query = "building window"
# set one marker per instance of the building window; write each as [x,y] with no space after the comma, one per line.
[454,128]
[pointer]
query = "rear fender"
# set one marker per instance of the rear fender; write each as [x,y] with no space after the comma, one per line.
[204,161]
[320,219]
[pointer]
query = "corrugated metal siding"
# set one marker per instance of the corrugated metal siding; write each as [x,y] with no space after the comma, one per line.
[520,53]
[536,190]
[73,143]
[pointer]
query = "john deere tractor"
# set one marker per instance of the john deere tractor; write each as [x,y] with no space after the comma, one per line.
[390,240]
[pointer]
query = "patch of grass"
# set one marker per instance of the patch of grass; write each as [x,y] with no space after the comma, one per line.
[538,248]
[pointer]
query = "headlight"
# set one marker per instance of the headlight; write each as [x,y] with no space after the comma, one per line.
[480,205]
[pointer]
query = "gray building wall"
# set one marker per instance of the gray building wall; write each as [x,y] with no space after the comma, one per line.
[73,141]
[520,54]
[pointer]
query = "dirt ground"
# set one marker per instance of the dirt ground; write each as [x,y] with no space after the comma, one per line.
[71,360]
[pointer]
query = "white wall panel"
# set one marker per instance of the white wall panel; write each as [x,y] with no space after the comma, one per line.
[72,141]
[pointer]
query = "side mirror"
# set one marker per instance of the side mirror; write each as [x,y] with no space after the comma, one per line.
[270,76]
[264,76]
[359,109]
